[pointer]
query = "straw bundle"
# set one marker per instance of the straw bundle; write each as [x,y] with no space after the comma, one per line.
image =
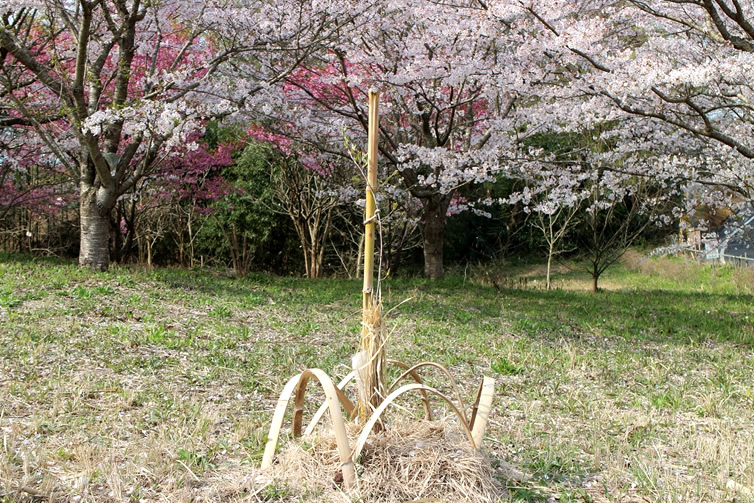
[369,362]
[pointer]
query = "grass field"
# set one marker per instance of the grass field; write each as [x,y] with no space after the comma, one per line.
[140,385]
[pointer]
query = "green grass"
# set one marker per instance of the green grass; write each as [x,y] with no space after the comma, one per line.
[151,384]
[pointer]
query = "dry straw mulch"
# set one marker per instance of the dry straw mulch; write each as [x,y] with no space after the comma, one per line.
[408,461]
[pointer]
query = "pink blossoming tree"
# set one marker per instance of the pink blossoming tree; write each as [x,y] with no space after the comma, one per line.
[445,108]
[111,87]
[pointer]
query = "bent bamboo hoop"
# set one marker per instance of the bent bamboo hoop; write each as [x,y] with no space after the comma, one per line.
[480,412]
[415,375]
[277,421]
[322,408]
[412,371]
[390,398]
[298,404]
[352,375]
[332,396]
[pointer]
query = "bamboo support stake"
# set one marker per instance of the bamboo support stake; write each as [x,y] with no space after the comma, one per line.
[481,410]
[369,362]
[369,213]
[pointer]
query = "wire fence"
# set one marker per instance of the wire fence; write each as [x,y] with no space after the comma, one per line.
[737,260]
[718,257]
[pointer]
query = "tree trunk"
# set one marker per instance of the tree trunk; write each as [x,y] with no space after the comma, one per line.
[117,246]
[149,253]
[191,242]
[94,251]
[548,285]
[315,264]
[434,229]
[181,245]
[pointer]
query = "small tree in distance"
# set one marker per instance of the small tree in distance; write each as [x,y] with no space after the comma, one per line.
[303,193]
[619,210]
[555,221]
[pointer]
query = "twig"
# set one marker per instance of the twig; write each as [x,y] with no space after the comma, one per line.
[188,470]
[31,491]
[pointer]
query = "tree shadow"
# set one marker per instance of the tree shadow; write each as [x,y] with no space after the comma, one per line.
[641,315]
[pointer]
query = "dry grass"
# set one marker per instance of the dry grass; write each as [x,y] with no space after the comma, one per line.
[410,460]
[743,278]
[690,438]
[675,269]
[88,415]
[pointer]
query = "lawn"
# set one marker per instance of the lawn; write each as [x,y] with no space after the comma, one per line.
[139,385]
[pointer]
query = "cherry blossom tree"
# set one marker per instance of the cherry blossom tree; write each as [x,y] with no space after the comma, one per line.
[670,76]
[110,87]
[446,101]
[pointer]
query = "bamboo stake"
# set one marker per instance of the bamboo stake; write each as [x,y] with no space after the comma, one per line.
[369,214]
[369,362]
[481,410]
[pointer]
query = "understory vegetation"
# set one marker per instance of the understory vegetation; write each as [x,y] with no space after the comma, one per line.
[159,384]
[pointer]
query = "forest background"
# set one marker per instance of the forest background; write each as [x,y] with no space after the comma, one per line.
[219,133]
